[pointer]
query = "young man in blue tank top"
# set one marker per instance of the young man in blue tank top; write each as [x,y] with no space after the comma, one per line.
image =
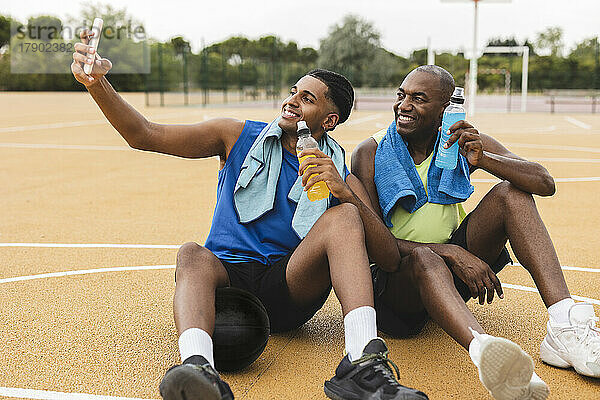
[435,277]
[266,256]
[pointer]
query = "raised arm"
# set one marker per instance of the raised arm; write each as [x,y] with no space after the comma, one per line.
[485,152]
[205,139]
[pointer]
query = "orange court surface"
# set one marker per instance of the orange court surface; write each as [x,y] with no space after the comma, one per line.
[76,199]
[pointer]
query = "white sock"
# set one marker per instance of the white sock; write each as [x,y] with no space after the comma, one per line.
[559,312]
[360,327]
[536,379]
[475,350]
[196,342]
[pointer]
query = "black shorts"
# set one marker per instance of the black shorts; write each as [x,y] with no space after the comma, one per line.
[267,282]
[408,324]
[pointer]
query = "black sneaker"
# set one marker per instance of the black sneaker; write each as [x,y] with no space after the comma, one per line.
[195,379]
[370,377]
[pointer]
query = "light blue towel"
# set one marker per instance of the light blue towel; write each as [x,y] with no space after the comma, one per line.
[254,192]
[398,181]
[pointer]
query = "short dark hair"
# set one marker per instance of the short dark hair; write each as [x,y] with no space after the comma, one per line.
[446,80]
[339,90]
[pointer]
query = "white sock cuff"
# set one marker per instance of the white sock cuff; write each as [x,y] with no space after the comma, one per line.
[360,327]
[365,313]
[196,342]
[559,311]
[475,348]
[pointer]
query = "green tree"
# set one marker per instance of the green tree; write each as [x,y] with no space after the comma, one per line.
[308,55]
[586,57]
[349,48]
[418,57]
[5,30]
[551,40]
[44,27]
[180,44]
[585,50]
[511,41]
[386,69]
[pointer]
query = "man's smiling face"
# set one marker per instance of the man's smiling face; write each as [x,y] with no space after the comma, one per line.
[419,105]
[308,102]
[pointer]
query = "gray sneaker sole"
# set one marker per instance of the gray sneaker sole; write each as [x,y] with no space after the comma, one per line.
[506,371]
[187,384]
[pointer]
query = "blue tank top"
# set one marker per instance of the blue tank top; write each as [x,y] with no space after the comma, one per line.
[267,238]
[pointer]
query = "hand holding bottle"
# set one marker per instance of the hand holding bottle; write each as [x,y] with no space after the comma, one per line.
[317,167]
[447,156]
[468,139]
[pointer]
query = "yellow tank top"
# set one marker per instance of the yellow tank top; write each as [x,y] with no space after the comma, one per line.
[431,223]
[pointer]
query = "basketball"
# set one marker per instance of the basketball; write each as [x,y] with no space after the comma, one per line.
[241,329]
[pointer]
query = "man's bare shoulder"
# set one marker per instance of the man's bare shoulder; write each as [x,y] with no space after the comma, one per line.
[364,152]
[367,147]
[225,125]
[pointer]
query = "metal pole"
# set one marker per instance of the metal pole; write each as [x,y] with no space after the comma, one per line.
[524,79]
[507,89]
[473,65]
[273,96]
[597,72]
[204,73]
[146,74]
[430,52]
[161,88]
[224,74]
[510,67]
[186,95]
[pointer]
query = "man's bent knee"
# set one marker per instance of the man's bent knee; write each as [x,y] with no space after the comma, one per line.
[424,263]
[510,195]
[195,259]
[343,218]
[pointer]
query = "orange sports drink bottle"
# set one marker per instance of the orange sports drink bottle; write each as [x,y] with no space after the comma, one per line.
[319,190]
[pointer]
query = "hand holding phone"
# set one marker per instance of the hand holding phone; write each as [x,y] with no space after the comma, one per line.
[94,41]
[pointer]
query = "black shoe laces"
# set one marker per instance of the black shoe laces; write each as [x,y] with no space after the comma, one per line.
[207,369]
[385,361]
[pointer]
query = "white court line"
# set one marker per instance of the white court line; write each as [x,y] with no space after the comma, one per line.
[578,123]
[364,119]
[64,146]
[127,148]
[560,180]
[51,395]
[534,290]
[84,272]
[172,266]
[57,125]
[175,246]
[510,144]
[93,245]
[566,160]
[71,124]
[565,267]
[583,269]
[554,147]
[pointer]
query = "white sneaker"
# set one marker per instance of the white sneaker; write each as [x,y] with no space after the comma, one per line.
[506,370]
[576,345]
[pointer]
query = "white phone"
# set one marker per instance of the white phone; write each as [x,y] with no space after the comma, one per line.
[94,41]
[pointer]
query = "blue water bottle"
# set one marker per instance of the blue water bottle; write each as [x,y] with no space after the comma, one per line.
[447,158]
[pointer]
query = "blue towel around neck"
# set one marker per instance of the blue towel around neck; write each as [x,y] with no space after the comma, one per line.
[254,192]
[398,181]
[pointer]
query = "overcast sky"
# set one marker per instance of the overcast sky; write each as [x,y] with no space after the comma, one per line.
[404,25]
